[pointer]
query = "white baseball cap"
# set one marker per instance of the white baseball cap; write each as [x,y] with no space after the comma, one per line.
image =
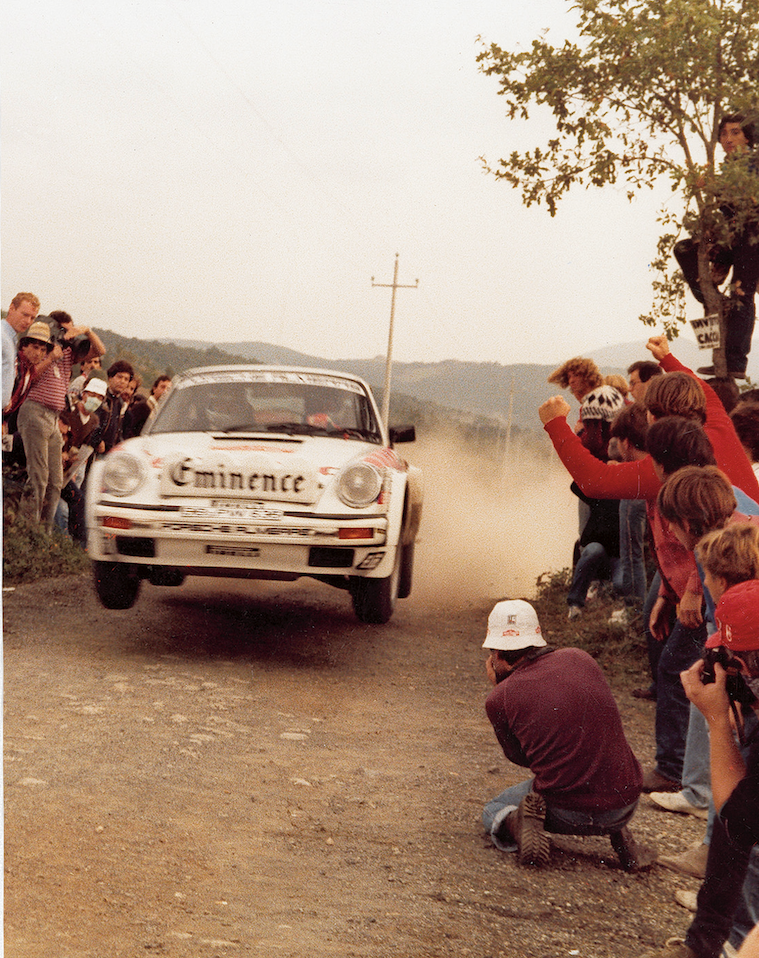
[96,385]
[513,624]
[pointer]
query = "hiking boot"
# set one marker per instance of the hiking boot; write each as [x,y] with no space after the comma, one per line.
[687,899]
[709,371]
[633,857]
[526,825]
[690,862]
[654,781]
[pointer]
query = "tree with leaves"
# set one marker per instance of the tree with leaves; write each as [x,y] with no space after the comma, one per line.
[638,96]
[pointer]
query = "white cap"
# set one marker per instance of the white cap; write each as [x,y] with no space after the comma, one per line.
[513,624]
[95,385]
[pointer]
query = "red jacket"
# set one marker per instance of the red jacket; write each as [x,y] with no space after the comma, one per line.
[637,480]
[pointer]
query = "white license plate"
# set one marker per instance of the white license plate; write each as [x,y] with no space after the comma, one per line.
[231,509]
[244,552]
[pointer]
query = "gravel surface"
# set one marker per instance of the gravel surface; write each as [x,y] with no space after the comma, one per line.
[244,769]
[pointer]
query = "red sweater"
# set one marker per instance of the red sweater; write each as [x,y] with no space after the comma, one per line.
[637,480]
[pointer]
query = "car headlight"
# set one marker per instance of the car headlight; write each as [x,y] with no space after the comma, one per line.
[123,474]
[359,484]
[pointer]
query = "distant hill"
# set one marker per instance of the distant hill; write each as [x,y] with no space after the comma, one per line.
[491,390]
[480,431]
[486,389]
[479,389]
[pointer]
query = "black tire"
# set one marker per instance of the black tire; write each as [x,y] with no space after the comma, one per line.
[374,599]
[116,583]
[407,571]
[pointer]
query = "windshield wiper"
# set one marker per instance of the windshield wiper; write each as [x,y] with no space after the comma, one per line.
[238,427]
[299,428]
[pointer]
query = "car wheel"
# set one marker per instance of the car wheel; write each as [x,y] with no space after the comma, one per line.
[407,571]
[374,599]
[116,583]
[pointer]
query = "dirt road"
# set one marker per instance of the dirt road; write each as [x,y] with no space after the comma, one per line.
[245,770]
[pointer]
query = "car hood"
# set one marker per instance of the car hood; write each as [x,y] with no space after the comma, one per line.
[297,469]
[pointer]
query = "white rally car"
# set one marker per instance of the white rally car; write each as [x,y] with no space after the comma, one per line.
[259,472]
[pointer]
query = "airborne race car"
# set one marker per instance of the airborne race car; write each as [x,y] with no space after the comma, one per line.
[259,472]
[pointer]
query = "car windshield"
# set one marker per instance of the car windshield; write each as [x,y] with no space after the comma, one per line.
[271,402]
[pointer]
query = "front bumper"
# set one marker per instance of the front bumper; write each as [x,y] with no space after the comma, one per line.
[286,543]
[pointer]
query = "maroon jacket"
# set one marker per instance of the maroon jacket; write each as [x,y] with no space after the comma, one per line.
[556,715]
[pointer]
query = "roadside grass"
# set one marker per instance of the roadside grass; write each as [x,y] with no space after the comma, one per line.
[30,554]
[621,652]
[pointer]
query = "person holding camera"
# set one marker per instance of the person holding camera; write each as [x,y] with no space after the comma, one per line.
[553,712]
[38,415]
[725,691]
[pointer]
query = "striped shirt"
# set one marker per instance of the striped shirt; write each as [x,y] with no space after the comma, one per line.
[50,389]
[25,376]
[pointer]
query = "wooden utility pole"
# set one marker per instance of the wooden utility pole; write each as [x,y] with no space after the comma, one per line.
[509,421]
[389,360]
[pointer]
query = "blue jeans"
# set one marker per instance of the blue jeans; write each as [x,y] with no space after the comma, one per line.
[560,821]
[696,772]
[680,650]
[653,646]
[594,563]
[632,535]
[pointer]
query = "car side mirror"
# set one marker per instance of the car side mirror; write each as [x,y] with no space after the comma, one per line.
[402,434]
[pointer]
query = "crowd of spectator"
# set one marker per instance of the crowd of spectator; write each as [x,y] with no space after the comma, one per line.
[55,423]
[672,460]
[663,457]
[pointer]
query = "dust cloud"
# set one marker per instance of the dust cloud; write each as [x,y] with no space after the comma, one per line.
[492,523]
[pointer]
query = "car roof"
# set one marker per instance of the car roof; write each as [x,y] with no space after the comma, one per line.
[261,367]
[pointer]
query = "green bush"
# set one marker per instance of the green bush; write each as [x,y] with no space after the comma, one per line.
[620,651]
[30,554]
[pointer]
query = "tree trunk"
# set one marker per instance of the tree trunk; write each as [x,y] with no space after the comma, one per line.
[714,303]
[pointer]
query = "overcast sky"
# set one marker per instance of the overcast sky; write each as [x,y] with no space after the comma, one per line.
[228,170]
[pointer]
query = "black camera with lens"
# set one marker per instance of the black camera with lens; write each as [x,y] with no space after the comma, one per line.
[59,320]
[736,688]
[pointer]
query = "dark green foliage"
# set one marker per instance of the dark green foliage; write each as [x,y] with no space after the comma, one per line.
[634,98]
[620,652]
[30,554]
[151,358]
